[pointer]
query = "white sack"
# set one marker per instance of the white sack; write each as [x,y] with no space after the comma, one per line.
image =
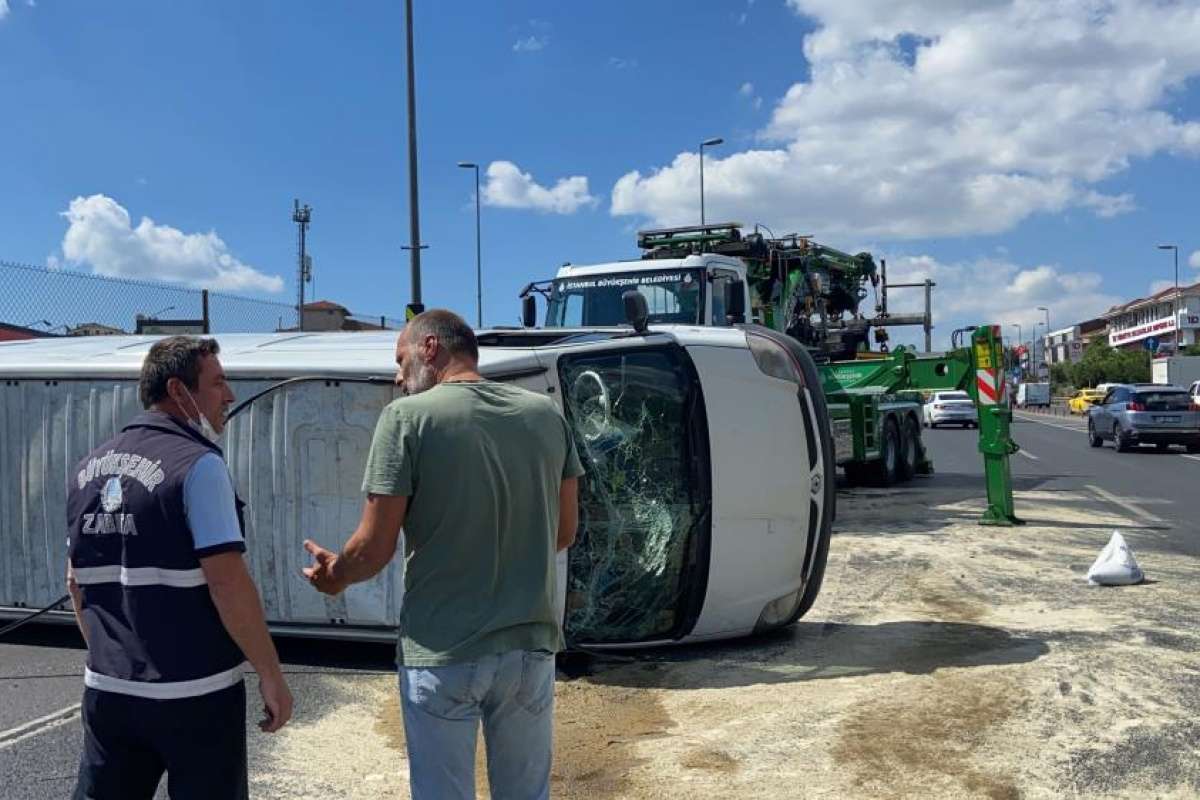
[1115,566]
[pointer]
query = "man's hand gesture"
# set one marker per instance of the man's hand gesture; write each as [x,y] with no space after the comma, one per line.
[321,573]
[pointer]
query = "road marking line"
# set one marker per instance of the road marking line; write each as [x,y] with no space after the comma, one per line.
[1071,428]
[32,728]
[1125,504]
[1193,458]
[1028,454]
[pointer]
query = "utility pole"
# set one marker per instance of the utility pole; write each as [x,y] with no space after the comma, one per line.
[415,245]
[1046,343]
[478,249]
[929,315]
[1175,300]
[706,143]
[301,216]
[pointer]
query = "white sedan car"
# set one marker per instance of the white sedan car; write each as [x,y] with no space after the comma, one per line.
[950,408]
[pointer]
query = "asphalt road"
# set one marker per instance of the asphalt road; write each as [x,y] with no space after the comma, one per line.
[41,666]
[1159,489]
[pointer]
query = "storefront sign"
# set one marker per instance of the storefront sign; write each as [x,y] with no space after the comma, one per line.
[1142,331]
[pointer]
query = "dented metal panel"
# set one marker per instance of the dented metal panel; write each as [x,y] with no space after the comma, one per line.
[296,455]
[46,427]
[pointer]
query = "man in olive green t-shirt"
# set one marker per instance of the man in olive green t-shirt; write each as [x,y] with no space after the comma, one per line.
[483,477]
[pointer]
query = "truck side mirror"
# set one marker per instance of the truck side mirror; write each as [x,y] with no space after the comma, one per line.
[637,311]
[529,311]
[735,302]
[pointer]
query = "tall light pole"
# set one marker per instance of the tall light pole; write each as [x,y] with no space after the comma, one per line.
[478,250]
[1175,300]
[415,245]
[1045,358]
[1017,325]
[706,143]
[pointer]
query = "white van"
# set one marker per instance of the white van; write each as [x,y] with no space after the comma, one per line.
[1033,394]
[699,520]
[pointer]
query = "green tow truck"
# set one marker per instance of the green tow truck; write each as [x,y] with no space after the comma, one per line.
[717,275]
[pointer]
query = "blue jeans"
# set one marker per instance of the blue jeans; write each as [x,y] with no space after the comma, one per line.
[512,694]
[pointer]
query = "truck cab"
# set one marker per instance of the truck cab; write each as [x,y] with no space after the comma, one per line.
[705,289]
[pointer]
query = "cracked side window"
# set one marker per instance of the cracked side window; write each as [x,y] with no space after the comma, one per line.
[642,504]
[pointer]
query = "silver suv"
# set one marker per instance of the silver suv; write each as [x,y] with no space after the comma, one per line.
[1145,413]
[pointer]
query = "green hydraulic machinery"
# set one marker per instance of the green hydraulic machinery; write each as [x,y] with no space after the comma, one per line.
[860,391]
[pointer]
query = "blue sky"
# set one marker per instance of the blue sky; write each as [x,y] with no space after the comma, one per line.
[1021,153]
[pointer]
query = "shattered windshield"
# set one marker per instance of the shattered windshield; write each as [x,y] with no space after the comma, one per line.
[672,296]
[640,558]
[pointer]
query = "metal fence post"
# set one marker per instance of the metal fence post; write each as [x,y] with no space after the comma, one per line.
[204,311]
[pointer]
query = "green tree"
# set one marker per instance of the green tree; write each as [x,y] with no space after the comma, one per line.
[1104,364]
[1060,378]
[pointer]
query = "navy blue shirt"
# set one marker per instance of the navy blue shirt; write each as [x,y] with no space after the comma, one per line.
[151,625]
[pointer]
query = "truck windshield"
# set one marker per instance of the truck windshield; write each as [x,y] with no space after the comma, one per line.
[673,296]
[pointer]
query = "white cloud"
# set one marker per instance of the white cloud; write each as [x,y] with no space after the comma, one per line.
[3,9]
[622,63]
[993,291]
[531,44]
[100,235]
[1194,259]
[1160,286]
[937,117]
[747,90]
[508,187]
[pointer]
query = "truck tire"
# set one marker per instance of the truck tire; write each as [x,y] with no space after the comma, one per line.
[887,468]
[1094,438]
[910,448]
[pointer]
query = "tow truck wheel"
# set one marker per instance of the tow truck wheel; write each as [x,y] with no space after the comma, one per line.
[910,448]
[887,468]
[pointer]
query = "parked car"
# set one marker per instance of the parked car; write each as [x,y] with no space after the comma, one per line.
[954,408]
[1084,399]
[1145,413]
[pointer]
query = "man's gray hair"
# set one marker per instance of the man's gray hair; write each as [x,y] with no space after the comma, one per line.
[173,357]
[451,331]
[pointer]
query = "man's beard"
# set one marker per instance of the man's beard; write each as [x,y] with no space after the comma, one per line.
[421,378]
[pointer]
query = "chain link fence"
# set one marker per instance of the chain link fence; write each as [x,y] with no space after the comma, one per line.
[62,302]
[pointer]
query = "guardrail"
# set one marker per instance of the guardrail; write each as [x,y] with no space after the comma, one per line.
[1057,408]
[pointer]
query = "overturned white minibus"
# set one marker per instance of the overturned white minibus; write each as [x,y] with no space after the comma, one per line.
[705,512]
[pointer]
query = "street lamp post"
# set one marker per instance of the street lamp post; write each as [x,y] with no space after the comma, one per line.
[478,250]
[706,143]
[1175,299]
[414,214]
[1045,359]
[1017,325]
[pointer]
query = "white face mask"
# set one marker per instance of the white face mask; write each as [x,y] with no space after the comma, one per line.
[203,426]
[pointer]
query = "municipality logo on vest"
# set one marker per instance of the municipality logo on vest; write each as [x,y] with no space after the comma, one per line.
[111,496]
[111,499]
